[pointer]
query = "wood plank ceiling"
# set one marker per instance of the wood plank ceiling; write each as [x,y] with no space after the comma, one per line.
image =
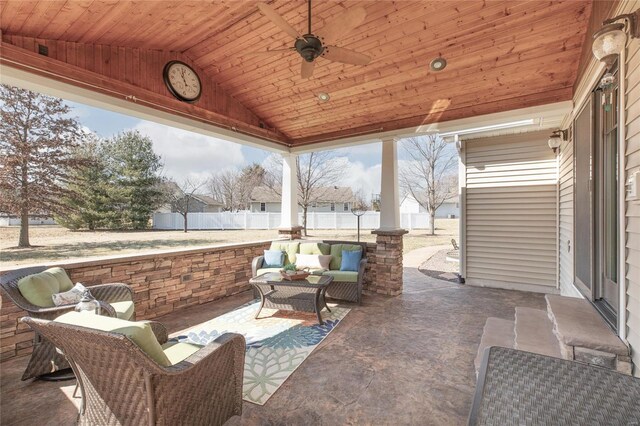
[501,55]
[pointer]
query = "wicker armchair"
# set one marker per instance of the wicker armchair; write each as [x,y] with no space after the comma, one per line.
[121,385]
[44,358]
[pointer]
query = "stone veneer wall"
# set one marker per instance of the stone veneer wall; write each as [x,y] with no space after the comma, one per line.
[165,282]
[162,282]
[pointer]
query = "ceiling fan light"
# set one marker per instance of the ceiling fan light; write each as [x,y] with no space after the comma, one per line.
[323,97]
[608,42]
[438,64]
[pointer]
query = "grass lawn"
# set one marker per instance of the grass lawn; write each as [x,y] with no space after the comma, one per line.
[54,244]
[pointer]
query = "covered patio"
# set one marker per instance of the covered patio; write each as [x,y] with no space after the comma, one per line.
[515,86]
[402,360]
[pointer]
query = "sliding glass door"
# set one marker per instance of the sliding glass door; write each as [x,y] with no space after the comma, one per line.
[583,131]
[608,293]
[596,197]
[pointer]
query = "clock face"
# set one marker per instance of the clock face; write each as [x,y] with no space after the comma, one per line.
[182,81]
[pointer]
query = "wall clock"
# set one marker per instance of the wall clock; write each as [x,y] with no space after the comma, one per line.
[182,81]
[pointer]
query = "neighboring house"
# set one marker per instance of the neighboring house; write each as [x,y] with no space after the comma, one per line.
[330,199]
[197,204]
[204,204]
[449,209]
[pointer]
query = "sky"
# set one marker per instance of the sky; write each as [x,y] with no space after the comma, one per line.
[187,154]
[191,155]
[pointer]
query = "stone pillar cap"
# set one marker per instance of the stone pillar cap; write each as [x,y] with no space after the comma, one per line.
[292,228]
[390,232]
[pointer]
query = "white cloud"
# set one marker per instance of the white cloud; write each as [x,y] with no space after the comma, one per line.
[356,175]
[191,155]
[360,177]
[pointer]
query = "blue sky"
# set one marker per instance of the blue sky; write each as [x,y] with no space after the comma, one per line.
[187,154]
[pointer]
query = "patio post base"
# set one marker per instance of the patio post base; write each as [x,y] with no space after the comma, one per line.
[293,233]
[388,262]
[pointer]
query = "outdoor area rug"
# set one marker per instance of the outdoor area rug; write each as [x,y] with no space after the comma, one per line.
[277,343]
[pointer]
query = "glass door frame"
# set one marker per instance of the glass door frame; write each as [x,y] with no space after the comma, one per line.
[594,293]
[606,294]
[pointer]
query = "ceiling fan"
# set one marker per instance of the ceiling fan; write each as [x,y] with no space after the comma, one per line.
[311,46]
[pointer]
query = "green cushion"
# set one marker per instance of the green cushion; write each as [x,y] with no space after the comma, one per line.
[38,288]
[63,279]
[336,252]
[289,248]
[139,332]
[265,270]
[124,310]
[177,352]
[344,276]
[315,248]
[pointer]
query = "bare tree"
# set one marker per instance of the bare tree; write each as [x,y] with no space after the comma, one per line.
[360,201]
[181,195]
[317,171]
[224,186]
[233,187]
[429,175]
[37,140]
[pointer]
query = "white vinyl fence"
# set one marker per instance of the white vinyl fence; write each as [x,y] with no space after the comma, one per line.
[15,221]
[263,220]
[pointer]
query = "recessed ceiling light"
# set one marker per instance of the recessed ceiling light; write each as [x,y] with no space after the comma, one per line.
[438,64]
[323,97]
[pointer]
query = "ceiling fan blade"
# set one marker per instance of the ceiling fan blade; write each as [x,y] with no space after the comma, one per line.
[272,52]
[346,56]
[278,20]
[347,21]
[306,71]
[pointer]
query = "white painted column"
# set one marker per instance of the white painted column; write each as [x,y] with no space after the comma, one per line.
[289,211]
[389,190]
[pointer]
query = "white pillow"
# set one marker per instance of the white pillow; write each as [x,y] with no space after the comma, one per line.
[69,297]
[313,261]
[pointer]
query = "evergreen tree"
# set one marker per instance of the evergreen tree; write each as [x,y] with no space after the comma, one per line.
[37,138]
[134,183]
[88,202]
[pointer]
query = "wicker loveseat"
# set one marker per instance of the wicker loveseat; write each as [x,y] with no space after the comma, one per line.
[117,300]
[123,383]
[346,285]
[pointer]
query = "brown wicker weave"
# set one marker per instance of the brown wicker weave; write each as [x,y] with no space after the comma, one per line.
[291,295]
[340,290]
[44,358]
[121,385]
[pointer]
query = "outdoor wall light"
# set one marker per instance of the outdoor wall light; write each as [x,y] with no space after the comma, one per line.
[609,41]
[556,138]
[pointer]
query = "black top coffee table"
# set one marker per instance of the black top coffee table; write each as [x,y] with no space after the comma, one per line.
[298,295]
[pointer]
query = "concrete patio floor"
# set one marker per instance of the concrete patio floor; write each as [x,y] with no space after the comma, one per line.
[402,360]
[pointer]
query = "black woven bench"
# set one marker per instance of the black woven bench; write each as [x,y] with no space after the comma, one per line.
[521,388]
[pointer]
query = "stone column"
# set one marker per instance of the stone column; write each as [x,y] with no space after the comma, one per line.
[387,279]
[289,227]
[388,256]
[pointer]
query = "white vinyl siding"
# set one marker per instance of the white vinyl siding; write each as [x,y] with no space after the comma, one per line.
[511,212]
[565,242]
[632,164]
